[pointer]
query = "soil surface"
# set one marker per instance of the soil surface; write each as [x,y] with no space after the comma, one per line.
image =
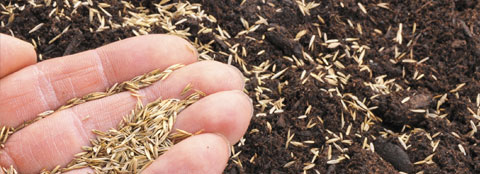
[338,86]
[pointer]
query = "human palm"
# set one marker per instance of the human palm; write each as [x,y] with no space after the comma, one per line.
[28,88]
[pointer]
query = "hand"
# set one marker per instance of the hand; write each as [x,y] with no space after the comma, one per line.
[28,88]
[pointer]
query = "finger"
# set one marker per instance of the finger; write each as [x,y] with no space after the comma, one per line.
[49,84]
[44,144]
[227,113]
[202,154]
[15,54]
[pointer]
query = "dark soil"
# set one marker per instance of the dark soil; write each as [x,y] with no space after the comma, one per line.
[447,32]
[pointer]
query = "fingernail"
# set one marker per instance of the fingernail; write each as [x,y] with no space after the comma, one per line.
[227,142]
[245,95]
[192,49]
[238,71]
[249,99]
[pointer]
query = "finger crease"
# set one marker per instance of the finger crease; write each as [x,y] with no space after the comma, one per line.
[49,90]
[30,151]
[143,93]
[54,143]
[100,66]
[79,125]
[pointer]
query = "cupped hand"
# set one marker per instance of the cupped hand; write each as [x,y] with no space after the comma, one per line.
[28,88]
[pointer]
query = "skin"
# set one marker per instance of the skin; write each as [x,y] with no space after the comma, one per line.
[28,88]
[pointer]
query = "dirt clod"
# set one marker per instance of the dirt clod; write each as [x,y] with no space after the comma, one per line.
[393,154]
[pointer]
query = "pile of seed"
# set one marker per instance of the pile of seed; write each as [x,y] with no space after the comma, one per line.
[142,136]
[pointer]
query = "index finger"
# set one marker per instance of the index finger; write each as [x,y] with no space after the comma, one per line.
[50,84]
[15,54]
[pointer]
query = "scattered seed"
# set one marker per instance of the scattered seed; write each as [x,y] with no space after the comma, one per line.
[308,166]
[383,5]
[59,35]
[459,86]
[306,7]
[336,161]
[36,28]
[405,99]
[441,101]
[288,164]
[362,8]
[427,160]
[278,74]
[399,37]
[462,149]
[300,35]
